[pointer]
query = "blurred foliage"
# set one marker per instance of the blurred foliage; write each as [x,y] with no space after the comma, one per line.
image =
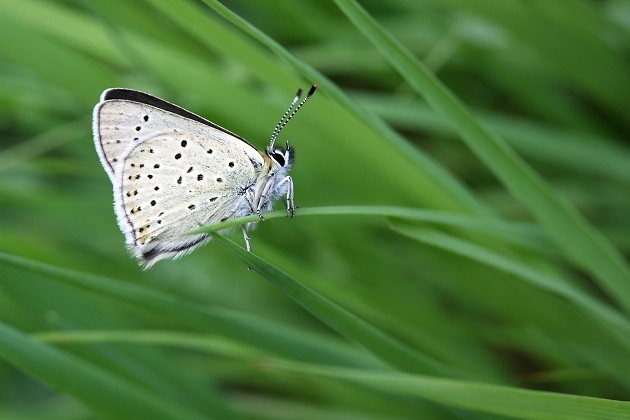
[467,286]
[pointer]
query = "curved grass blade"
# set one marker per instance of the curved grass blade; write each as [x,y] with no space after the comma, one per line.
[438,182]
[187,340]
[105,393]
[615,321]
[570,149]
[345,323]
[582,243]
[474,396]
[281,340]
[521,234]
[24,151]
[250,358]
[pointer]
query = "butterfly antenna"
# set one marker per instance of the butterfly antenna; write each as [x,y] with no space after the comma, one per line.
[278,127]
[290,112]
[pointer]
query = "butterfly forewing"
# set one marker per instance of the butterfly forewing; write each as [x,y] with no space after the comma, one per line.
[121,122]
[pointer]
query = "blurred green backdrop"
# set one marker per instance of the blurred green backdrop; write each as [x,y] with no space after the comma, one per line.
[483,284]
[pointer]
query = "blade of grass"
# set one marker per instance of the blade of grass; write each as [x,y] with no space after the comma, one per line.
[345,323]
[583,244]
[98,389]
[597,155]
[517,233]
[191,341]
[42,143]
[612,319]
[52,62]
[282,340]
[479,397]
[439,182]
[64,23]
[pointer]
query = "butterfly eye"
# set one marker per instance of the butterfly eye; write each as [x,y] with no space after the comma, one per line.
[278,157]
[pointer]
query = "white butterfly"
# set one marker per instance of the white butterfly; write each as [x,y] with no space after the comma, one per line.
[173,171]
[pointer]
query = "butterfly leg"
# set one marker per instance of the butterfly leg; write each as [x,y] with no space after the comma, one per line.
[263,199]
[289,201]
[251,200]
[249,249]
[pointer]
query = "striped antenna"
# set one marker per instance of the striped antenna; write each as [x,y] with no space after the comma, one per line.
[290,112]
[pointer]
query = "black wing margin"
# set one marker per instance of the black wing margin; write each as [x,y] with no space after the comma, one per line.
[145,98]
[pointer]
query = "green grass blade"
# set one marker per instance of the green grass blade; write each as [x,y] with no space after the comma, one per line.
[521,234]
[285,341]
[42,143]
[339,319]
[571,149]
[437,181]
[192,341]
[103,392]
[478,397]
[50,61]
[586,247]
[229,352]
[610,317]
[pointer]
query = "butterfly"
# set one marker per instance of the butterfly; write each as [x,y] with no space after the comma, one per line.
[172,171]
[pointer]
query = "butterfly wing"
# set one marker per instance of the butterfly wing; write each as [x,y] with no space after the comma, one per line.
[170,173]
[116,126]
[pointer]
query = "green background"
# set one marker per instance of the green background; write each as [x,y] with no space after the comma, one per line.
[460,249]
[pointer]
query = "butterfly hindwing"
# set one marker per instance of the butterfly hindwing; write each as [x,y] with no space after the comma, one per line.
[171,184]
[170,174]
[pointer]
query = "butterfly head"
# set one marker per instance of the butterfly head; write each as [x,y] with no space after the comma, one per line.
[281,157]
